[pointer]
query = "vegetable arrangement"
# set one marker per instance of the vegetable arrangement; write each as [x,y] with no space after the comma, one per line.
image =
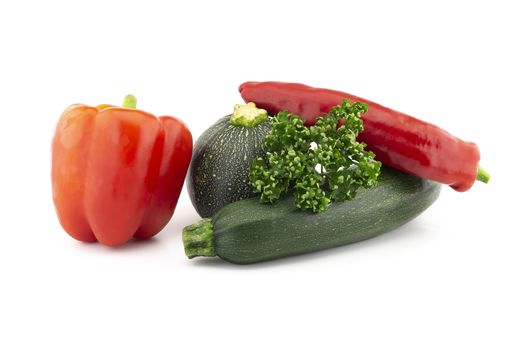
[324,169]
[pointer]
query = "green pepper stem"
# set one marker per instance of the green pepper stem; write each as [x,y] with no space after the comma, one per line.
[198,239]
[482,175]
[130,101]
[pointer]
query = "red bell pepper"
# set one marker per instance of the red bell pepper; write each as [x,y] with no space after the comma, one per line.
[117,172]
[397,139]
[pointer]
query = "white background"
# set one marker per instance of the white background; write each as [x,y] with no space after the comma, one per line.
[452,279]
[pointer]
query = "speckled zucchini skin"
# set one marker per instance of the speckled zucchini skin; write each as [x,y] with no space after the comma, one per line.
[246,231]
[222,156]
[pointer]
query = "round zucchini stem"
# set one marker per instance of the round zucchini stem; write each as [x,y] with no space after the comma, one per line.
[130,101]
[248,115]
[198,239]
[482,175]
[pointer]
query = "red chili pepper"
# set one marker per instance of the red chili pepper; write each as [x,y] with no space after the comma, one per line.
[397,139]
[117,172]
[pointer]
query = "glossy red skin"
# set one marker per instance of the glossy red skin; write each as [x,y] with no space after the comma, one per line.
[397,139]
[117,173]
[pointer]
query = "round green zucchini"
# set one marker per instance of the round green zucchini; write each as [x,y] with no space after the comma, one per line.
[219,169]
[247,231]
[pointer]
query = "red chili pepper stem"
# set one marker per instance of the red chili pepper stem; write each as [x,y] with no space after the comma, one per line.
[482,175]
[130,101]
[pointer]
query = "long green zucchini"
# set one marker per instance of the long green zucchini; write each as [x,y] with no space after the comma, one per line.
[247,231]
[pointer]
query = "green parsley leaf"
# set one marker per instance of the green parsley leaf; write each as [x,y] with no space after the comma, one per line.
[319,164]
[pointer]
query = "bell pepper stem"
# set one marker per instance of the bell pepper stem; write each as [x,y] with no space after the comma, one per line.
[482,175]
[130,101]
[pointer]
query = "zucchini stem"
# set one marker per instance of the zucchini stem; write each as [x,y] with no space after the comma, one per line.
[248,115]
[198,239]
[482,175]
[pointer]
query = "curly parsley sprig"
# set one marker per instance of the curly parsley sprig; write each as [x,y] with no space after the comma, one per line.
[323,163]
